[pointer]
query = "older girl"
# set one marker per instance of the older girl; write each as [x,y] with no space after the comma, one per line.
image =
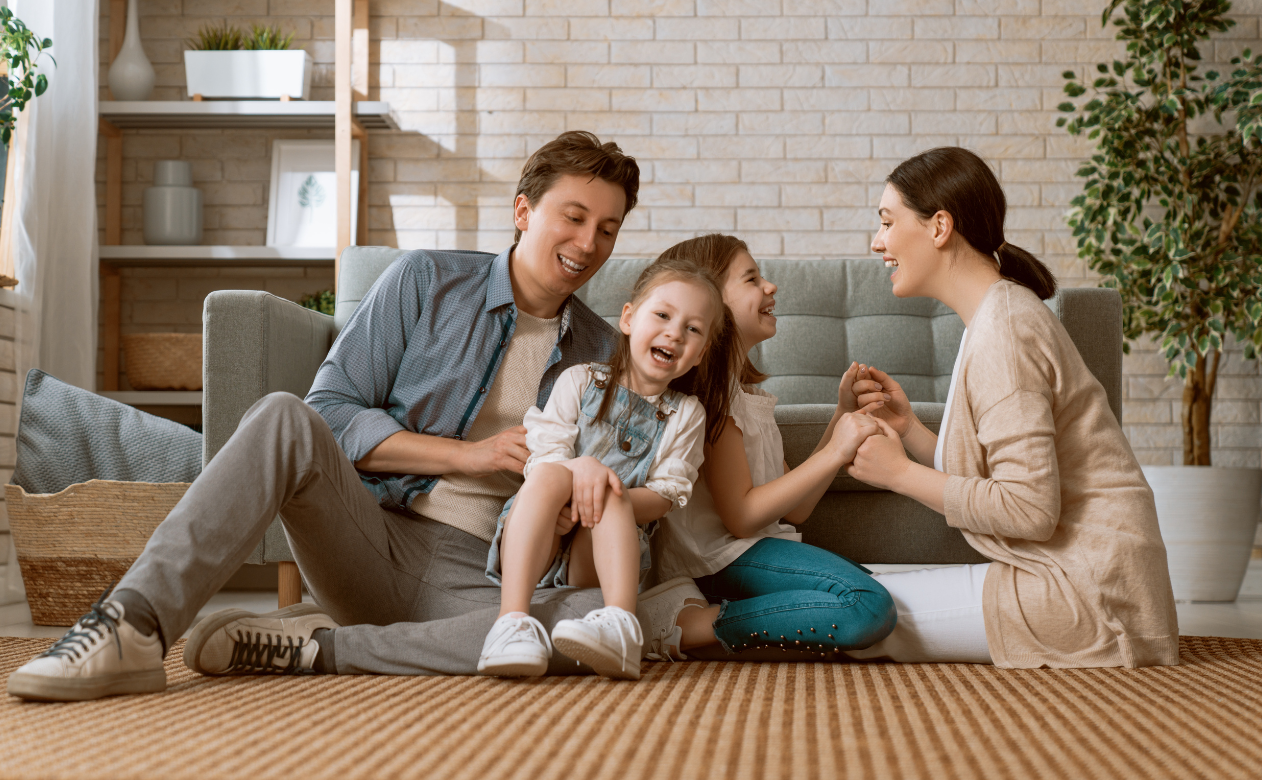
[1030,463]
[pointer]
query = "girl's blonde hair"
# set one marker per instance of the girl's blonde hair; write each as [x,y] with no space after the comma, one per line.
[715,253]
[709,379]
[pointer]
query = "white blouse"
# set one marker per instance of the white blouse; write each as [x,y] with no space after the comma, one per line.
[693,541]
[551,433]
[946,414]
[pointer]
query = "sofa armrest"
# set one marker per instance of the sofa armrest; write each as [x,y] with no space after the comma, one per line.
[1093,318]
[254,344]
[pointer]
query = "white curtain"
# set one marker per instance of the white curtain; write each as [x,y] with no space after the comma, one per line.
[54,237]
[54,230]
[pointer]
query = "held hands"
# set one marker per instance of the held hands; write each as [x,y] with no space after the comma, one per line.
[591,481]
[877,394]
[880,460]
[505,451]
[850,432]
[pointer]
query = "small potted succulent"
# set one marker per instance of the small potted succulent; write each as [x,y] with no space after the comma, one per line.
[223,62]
[1171,217]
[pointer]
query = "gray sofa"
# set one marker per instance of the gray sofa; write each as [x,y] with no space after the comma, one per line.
[830,312]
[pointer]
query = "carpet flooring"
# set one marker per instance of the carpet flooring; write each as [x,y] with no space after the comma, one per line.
[1202,719]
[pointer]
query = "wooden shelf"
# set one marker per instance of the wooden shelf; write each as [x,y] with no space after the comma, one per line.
[156,397]
[237,114]
[136,255]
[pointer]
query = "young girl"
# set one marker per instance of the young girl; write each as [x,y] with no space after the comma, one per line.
[737,536]
[621,445]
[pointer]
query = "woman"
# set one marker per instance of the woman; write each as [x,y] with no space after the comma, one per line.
[1030,463]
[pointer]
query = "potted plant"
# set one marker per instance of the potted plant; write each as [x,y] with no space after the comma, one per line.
[225,63]
[1169,217]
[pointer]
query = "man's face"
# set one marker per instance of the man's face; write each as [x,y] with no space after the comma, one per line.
[567,236]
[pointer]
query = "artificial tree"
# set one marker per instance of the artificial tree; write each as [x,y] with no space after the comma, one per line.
[1169,212]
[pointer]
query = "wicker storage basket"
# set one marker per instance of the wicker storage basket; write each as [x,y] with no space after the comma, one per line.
[71,545]
[164,361]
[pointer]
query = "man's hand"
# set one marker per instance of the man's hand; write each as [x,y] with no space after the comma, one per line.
[591,481]
[505,451]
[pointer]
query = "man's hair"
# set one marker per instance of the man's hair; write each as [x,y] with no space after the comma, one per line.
[577,153]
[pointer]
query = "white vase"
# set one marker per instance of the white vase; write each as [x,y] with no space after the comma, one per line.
[173,206]
[131,75]
[1208,517]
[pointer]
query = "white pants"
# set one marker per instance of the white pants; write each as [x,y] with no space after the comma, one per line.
[939,617]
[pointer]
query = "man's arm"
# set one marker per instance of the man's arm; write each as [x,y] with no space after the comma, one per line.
[418,453]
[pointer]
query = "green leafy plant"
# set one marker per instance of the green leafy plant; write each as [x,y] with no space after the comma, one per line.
[220,37]
[1169,212]
[267,39]
[323,301]
[24,82]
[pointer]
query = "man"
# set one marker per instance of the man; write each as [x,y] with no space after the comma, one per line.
[420,401]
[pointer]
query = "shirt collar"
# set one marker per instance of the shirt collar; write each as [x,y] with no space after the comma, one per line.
[500,290]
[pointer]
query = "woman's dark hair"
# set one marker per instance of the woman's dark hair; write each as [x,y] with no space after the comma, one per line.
[960,183]
[715,252]
[578,153]
[710,379]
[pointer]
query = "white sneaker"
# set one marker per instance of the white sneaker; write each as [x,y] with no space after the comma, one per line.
[234,641]
[609,640]
[658,610]
[101,655]
[515,647]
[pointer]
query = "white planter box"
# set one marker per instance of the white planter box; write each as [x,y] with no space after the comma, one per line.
[243,75]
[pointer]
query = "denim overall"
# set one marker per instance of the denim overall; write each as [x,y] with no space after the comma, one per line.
[626,440]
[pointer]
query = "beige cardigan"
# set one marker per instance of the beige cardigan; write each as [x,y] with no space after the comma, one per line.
[1043,482]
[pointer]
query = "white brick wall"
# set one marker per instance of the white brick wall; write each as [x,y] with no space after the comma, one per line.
[774,119]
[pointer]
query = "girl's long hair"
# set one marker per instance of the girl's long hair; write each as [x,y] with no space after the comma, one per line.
[960,183]
[710,379]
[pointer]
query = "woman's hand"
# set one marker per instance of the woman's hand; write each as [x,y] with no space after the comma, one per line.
[850,433]
[591,479]
[880,459]
[877,394]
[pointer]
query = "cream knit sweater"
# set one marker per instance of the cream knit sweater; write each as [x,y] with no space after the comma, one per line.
[1043,482]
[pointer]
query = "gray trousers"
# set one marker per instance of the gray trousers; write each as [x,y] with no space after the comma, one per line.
[410,592]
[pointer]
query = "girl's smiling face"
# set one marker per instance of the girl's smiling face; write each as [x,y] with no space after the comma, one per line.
[751,299]
[669,331]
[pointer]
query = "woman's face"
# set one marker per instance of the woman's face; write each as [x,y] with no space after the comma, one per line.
[751,299]
[907,245]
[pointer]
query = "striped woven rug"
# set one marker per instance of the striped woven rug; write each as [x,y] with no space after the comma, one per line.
[1202,719]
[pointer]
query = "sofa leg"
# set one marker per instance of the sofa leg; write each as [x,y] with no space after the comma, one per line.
[289,589]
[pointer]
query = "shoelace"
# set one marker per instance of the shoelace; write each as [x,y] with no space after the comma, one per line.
[662,650]
[611,617]
[259,652]
[80,638]
[516,625]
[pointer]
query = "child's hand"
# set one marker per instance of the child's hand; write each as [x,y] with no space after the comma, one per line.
[591,481]
[880,459]
[565,521]
[877,393]
[851,431]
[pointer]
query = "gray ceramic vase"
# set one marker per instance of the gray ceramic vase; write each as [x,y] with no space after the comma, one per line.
[173,206]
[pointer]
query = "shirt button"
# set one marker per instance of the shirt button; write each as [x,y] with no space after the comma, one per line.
[626,445]
[481,389]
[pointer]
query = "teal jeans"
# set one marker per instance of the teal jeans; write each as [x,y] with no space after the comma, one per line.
[793,595]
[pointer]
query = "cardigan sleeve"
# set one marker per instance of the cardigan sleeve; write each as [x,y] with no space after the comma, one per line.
[1021,496]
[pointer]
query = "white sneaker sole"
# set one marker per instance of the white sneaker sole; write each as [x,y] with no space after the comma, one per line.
[204,630]
[513,666]
[37,687]
[607,663]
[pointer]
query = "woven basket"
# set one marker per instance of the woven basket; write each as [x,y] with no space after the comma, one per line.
[164,361]
[72,545]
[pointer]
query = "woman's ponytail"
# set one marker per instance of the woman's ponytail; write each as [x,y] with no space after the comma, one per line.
[1018,265]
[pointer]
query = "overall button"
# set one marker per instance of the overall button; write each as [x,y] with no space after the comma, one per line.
[626,445]
[661,416]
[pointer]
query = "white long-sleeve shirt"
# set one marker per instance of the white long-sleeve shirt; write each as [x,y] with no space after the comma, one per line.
[551,433]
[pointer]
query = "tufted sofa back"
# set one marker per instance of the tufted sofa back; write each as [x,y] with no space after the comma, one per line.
[829,312]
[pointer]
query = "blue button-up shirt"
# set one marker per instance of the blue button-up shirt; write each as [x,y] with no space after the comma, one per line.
[423,348]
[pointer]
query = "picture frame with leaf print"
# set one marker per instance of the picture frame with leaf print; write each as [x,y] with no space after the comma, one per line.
[302,200]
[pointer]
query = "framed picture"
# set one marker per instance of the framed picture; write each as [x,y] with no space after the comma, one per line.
[302,207]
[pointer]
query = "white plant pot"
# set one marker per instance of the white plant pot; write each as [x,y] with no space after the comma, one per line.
[1208,517]
[248,75]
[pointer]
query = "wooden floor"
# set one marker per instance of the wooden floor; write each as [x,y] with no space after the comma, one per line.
[1241,619]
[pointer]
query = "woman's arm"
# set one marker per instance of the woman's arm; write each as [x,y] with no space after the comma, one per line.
[744,509]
